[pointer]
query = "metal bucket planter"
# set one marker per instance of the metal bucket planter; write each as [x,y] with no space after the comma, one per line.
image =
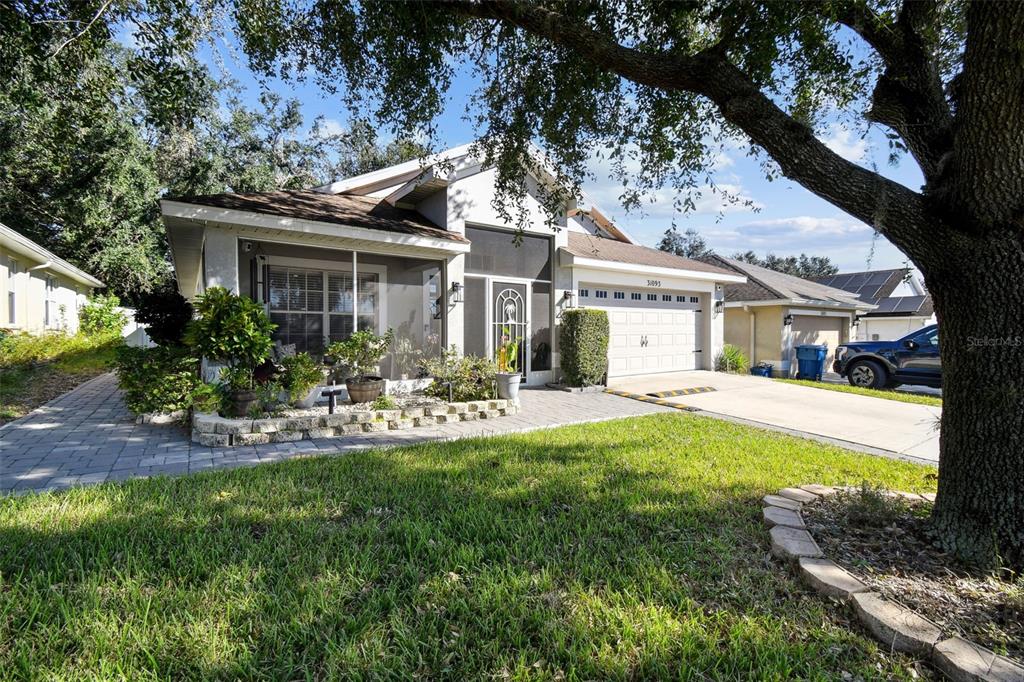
[364,389]
[508,385]
[242,402]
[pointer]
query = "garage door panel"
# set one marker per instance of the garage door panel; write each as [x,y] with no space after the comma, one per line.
[823,330]
[650,335]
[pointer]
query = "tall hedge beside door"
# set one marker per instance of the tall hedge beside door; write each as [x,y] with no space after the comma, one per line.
[584,346]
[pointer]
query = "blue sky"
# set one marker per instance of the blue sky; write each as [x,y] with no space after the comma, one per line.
[777,216]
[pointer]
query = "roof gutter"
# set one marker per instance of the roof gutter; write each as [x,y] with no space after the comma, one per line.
[22,244]
[573,261]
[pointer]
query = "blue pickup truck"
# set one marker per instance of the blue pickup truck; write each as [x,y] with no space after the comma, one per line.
[913,359]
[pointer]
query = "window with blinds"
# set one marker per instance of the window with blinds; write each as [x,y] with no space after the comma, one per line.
[311,307]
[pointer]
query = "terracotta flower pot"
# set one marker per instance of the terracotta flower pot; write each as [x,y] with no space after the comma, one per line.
[364,389]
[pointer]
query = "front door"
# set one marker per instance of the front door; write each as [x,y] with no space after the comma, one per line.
[508,318]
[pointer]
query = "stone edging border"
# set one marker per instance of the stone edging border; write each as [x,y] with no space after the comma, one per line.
[895,626]
[212,430]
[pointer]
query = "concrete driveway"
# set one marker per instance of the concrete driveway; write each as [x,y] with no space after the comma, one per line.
[895,428]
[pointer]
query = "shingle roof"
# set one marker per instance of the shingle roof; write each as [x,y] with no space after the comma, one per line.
[339,209]
[869,286]
[599,248]
[768,285]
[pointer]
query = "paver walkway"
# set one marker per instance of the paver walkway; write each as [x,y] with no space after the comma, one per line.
[89,436]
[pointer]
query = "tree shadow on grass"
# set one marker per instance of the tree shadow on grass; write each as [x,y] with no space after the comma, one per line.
[514,556]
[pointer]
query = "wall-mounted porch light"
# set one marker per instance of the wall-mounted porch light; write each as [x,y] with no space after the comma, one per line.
[787,320]
[719,306]
[456,292]
[569,299]
[856,320]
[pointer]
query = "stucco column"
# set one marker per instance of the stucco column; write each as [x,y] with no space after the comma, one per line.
[220,260]
[456,271]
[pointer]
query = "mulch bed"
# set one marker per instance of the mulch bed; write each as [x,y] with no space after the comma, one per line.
[885,542]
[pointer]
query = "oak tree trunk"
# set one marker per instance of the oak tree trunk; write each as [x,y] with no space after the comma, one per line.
[979,301]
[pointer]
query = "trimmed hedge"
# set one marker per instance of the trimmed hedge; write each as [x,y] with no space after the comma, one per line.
[584,346]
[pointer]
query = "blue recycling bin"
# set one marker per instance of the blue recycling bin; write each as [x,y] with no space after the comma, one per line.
[764,370]
[810,361]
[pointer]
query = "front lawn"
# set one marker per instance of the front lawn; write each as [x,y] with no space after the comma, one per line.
[626,549]
[37,369]
[898,396]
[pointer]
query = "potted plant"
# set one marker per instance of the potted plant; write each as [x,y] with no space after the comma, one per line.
[361,354]
[508,376]
[234,330]
[302,379]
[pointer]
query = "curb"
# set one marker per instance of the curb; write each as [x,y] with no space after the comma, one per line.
[899,628]
[683,391]
[648,399]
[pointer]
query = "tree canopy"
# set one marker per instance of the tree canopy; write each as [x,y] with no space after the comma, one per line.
[688,244]
[807,267]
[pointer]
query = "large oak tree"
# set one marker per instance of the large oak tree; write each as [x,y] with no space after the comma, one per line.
[655,86]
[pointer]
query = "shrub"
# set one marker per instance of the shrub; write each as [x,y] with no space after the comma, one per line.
[301,373]
[732,359]
[471,377]
[159,379]
[362,352]
[231,329]
[165,313]
[584,346]
[27,349]
[384,402]
[100,316]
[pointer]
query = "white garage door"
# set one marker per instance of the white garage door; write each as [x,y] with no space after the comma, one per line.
[650,332]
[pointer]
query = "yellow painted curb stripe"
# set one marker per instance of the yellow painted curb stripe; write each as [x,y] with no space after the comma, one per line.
[649,399]
[682,391]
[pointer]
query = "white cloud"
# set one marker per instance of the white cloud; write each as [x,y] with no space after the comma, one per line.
[331,126]
[842,142]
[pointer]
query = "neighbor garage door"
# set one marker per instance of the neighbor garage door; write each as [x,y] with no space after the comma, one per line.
[819,331]
[650,332]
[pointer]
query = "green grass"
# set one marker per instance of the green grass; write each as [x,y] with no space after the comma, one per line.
[37,369]
[898,396]
[626,549]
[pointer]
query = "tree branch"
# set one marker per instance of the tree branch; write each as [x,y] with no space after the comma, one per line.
[99,13]
[889,207]
[908,97]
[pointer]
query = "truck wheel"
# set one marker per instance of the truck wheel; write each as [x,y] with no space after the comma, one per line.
[867,374]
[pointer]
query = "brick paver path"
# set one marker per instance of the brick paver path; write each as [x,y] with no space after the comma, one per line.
[88,436]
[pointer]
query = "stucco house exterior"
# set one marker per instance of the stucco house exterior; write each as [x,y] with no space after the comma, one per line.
[420,249]
[42,292]
[771,313]
[902,303]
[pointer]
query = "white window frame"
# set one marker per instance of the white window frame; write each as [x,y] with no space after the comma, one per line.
[12,291]
[50,306]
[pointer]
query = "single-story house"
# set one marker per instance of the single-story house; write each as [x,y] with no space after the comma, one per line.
[902,303]
[420,249]
[771,313]
[42,292]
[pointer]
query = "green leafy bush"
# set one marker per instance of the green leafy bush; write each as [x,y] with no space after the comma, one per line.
[732,359]
[160,379]
[384,402]
[584,346]
[231,329]
[301,373]
[362,352]
[471,377]
[100,316]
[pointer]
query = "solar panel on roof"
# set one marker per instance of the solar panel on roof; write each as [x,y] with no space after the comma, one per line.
[886,305]
[879,278]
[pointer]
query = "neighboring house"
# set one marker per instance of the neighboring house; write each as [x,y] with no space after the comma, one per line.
[772,313]
[419,248]
[42,292]
[902,303]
